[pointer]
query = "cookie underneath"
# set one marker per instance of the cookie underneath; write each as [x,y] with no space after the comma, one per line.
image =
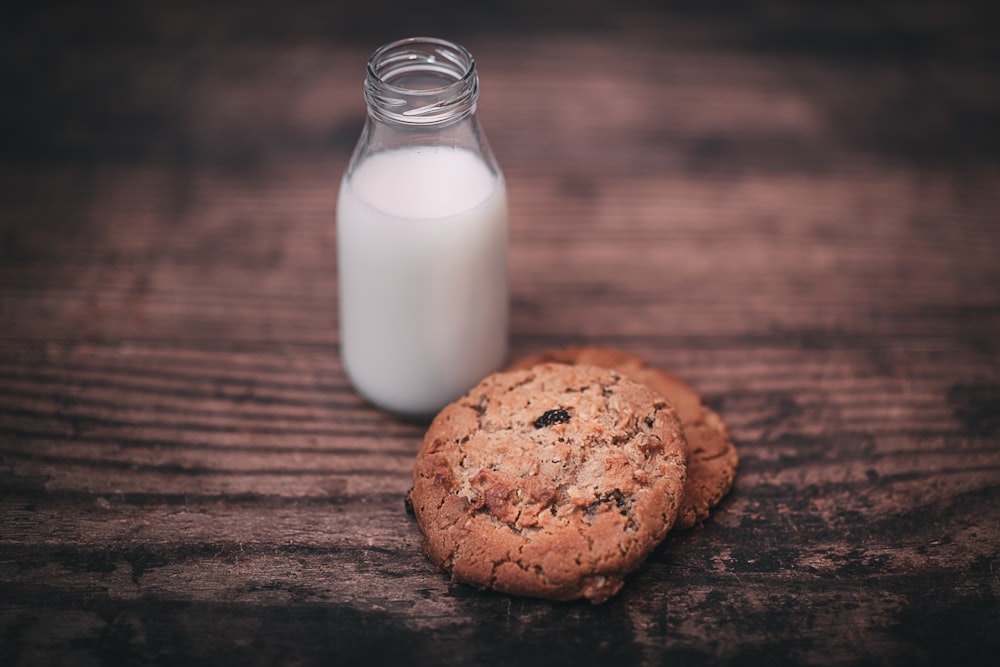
[712,457]
[553,482]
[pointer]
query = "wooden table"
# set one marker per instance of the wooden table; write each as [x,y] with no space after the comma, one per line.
[797,210]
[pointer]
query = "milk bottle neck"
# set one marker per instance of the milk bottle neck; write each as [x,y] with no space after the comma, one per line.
[421,82]
[422,92]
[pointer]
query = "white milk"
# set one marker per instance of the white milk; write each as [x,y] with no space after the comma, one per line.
[422,252]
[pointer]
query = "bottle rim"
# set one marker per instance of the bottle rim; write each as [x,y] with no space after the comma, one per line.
[430,104]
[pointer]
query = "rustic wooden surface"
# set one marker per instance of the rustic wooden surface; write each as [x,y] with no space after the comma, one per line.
[796,209]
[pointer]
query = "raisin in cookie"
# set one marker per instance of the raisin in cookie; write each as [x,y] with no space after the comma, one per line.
[712,457]
[552,482]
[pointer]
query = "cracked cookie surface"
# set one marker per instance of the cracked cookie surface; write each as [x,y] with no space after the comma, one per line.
[712,456]
[551,482]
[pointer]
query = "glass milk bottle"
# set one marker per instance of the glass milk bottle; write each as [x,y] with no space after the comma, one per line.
[421,234]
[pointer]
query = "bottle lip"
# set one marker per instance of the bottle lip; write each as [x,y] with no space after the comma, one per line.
[428,104]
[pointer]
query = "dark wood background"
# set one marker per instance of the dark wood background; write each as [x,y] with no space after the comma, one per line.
[796,208]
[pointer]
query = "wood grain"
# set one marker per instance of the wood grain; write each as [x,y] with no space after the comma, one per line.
[793,208]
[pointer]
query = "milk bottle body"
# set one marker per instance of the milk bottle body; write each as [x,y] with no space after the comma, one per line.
[421,235]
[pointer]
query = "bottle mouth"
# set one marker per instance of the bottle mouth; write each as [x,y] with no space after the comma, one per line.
[421,81]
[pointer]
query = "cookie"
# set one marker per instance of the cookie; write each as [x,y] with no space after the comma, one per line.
[712,457]
[551,482]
